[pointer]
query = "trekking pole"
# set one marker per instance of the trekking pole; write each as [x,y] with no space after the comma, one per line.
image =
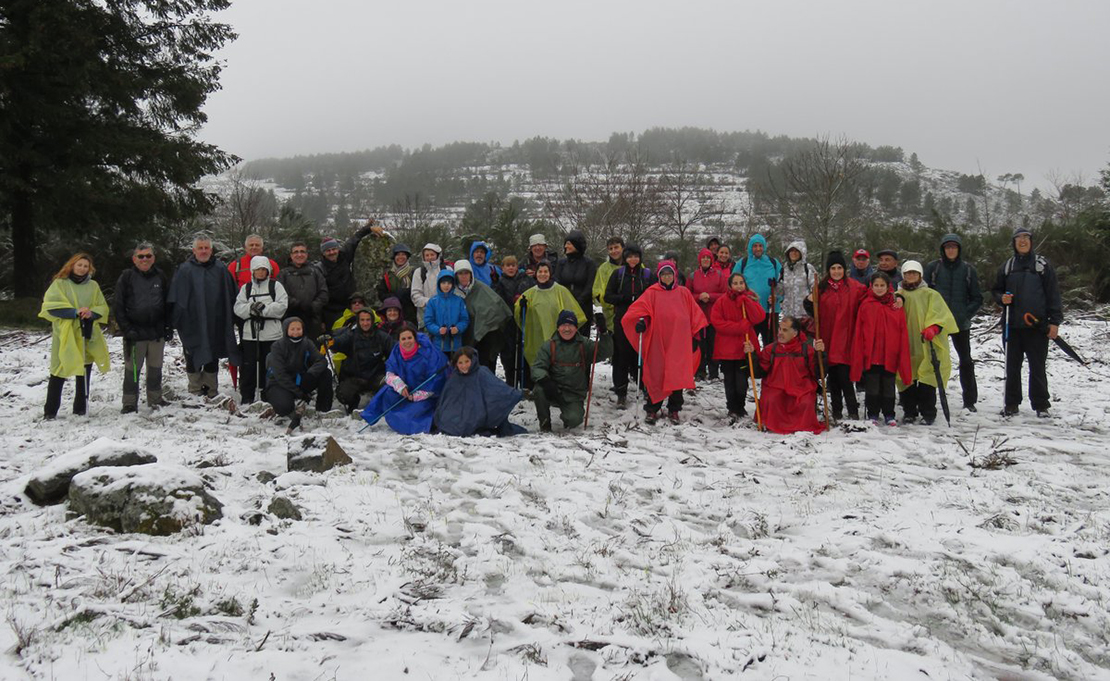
[820,361]
[751,373]
[590,389]
[640,364]
[773,324]
[135,364]
[331,363]
[1005,326]
[521,360]
[404,399]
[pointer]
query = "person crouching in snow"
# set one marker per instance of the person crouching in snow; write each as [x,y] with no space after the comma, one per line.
[561,371]
[670,320]
[838,298]
[296,369]
[413,380]
[445,316]
[392,316]
[474,401]
[789,389]
[365,347]
[735,316]
[928,321]
[880,349]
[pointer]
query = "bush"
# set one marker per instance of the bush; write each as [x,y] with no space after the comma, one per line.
[22,313]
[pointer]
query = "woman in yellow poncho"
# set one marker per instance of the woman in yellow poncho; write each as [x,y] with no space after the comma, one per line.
[539,307]
[929,322]
[77,310]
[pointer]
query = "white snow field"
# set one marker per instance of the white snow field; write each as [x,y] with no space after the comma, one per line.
[980,551]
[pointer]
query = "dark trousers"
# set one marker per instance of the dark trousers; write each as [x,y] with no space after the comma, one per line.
[705,344]
[252,372]
[54,394]
[284,401]
[488,348]
[961,341]
[135,354]
[351,389]
[736,377]
[203,379]
[841,390]
[919,399]
[879,392]
[625,360]
[766,334]
[1031,344]
[674,403]
[512,359]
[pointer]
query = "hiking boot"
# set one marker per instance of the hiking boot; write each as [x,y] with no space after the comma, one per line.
[909,420]
[1009,410]
[971,408]
[622,401]
[294,422]
[673,416]
[853,416]
[158,404]
[545,426]
[700,376]
[892,422]
[1043,413]
[129,409]
[926,421]
[652,417]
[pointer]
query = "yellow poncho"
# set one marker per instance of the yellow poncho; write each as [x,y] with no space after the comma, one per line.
[543,308]
[925,307]
[601,280]
[69,351]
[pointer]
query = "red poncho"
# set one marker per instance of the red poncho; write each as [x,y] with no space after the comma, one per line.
[713,281]
[727,317]
[788,396]
[881,338]
[838,305]
[673,318]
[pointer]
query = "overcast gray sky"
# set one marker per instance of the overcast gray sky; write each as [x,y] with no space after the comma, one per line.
[1005,85]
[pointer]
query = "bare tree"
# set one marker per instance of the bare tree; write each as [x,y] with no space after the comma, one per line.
[818,188]
[247,207]
[686,198]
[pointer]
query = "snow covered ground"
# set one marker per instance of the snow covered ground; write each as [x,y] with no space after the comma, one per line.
[622,552]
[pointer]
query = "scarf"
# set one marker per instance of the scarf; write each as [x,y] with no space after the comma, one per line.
[409,354]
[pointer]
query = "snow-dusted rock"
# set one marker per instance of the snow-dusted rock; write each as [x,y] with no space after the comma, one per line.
[154,499]
[50,485]
[315,452]
[285,509]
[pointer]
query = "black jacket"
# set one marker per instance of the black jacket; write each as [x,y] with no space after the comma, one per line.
[577,272]
[1034,292]
[140,305]
[510,288]
[288,362]
[624,287]
[307,290]
[340,275]
[957,282]
[366,352]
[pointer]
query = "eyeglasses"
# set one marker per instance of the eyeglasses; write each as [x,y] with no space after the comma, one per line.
[144,256]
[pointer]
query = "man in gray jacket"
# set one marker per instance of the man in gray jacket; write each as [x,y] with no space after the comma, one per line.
[307,290]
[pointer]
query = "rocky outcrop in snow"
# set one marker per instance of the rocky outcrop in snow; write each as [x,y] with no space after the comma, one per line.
[153,499]
[316,453]
[51,485]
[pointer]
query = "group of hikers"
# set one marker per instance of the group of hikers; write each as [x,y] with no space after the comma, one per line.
[804,340]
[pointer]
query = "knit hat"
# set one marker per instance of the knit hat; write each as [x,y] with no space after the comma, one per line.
[1019,231]
[567,317]
[537,240]
[634,249]
[835,258]
[328,242]
[260,262]
[911,266]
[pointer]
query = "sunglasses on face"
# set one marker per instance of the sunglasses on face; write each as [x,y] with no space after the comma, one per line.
[145,256]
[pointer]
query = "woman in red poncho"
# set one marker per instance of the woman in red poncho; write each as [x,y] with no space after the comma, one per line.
[880,349]
[789,391]
[707,283]
[669,318]
[839,296]
[734,316]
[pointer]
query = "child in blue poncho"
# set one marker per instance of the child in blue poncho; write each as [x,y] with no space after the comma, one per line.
[475,401]
[445,316]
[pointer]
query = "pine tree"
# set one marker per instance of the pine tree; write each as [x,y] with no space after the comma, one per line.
[101,103]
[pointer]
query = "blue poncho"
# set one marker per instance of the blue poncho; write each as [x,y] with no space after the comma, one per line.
[410,418]
[477,403]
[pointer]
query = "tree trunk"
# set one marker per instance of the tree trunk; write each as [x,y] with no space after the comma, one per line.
[26,282]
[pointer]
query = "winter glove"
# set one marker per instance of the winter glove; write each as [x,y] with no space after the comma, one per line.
[930,332]
[130,335]
[641,325]
[599,322]
[550,389]
[256,309]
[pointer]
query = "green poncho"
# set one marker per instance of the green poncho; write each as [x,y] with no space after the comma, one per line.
[601,280]
[543,308]
[69,351]
[487,310]
[925,307]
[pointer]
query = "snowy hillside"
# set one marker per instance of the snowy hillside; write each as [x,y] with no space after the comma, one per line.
[622,552]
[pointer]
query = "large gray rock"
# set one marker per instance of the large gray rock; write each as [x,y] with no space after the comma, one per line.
[50,485]
[316,453]
[153,499]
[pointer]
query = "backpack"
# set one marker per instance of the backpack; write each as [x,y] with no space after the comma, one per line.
[272,288]
[1039,265]
[580,363]
[933,279]
[775,353]
[774,263]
